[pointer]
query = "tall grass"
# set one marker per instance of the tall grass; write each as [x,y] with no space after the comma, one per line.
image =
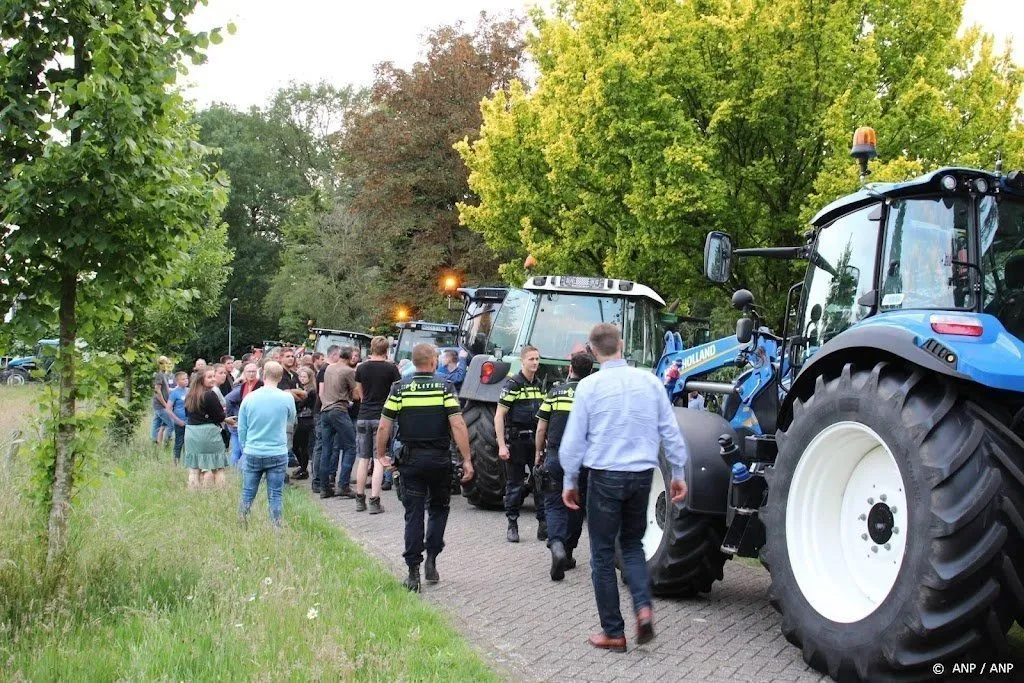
[165,584]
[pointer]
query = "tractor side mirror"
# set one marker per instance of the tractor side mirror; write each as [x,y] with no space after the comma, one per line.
[815,313]
[718,257]
[744,330]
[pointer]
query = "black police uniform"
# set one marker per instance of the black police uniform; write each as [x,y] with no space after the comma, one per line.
[564,525]
[421,405]
[522,398]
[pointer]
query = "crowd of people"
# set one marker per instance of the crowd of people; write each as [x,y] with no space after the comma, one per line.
[590,445]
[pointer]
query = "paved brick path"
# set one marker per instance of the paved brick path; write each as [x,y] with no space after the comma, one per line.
[500,596]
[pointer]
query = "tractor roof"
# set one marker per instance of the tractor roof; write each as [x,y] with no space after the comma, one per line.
[347,333]
[925,184]
[593,286]
[484,292]
[428,326]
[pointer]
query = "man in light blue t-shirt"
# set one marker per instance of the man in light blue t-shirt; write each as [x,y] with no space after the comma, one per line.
[263,421]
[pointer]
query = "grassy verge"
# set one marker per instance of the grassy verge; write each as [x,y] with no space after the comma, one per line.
[163,584]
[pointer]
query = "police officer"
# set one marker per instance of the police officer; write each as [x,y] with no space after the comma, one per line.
[515,424]
[564,525]
[428,416]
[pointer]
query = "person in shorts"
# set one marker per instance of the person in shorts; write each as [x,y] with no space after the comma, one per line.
[375,377]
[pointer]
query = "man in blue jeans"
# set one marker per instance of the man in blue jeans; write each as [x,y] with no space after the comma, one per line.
[338,434]
[620,418]
[263,423]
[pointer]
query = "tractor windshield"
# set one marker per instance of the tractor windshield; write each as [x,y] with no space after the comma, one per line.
[325,341]
[1001,235]
[564,321]
[411,337]
[925,259]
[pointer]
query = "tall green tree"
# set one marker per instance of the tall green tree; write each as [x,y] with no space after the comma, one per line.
[102,183]
[404,174]
[655,121]
[276,157]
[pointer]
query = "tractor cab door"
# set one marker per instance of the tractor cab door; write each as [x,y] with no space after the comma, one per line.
[476,323]
[644,333]
[1001,235]
[840,272]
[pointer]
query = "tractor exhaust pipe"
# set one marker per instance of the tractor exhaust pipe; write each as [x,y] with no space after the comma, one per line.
[712,387]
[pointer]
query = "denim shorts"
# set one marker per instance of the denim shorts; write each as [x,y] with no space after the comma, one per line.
[366,434]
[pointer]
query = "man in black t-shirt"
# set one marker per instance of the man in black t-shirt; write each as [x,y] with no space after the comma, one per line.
[375,376]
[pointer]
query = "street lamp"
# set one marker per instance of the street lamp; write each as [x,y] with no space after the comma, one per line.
[230,304]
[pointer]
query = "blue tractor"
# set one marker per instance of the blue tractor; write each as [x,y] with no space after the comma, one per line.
[23,369]
[872,454]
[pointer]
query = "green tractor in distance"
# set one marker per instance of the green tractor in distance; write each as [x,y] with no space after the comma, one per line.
[554,313]
[324,338]
[441,335]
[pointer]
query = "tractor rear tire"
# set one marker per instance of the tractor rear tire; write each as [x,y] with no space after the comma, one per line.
[487,487]
[683,548]
[886,539]
[16,378]
[1007,452]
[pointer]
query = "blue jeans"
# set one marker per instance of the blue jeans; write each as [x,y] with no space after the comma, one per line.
[255,466]
[617,506]
[564,525]
[160,418]
[338,438]
[236,449]
[179,441]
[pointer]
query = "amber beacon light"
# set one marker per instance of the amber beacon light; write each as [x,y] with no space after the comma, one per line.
[865,148]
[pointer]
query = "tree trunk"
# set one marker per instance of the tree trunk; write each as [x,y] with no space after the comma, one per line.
[129,368]
[63,476]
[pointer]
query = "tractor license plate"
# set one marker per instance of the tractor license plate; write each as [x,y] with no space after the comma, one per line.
[583,282]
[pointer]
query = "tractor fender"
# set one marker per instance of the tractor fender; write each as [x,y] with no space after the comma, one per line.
[707,475]
[474,389]
[866,345]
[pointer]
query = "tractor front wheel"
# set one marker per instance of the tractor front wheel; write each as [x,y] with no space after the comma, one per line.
[885,534]
[682,548]
[487,487]
[16,378]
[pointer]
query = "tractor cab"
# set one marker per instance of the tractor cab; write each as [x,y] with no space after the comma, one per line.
[936,259]
[323,339]
[555,314]
[441,335]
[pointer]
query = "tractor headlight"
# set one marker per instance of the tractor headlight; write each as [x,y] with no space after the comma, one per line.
[948,182]
[981,185]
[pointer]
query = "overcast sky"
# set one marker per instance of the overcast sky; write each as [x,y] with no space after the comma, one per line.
[341,40]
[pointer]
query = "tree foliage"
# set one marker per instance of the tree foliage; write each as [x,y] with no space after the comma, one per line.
[655,121]
[276,157]
[401,178]
[102,184]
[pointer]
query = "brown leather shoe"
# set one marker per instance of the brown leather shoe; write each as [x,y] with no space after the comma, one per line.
[604,642]
[644,626]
